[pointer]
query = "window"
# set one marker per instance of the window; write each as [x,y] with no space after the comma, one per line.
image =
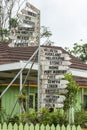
[85,102]
[32,102]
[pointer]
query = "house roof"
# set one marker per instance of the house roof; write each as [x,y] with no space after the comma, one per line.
[15,54]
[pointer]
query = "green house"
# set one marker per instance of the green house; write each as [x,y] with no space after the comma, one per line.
[19,69]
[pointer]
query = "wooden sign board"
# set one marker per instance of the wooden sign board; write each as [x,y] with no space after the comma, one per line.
[27,17]
[52,50]
[58,82]
[49,105]
[28,29]
[53,90]
[55,62]
[60,67]
[59,86]
[29,13]
[32,7]
[52,77]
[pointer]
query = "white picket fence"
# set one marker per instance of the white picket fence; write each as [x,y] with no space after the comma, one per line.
[37,127]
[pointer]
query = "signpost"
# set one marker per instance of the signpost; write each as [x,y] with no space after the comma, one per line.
[29,22]
[54,64]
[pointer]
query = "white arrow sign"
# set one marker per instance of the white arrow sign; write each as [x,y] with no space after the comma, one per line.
[29,13]
[32,7]
[55,67]
[54,86]
[52,76]
[60,105]
[51,50]
[55,62]
[27,17]
[50,81]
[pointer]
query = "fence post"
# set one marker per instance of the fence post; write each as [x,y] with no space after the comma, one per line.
[26,127]
[47,127]
[37,127]
[79,128]
[10,126]
[63,127]
[31,127]
[42,127]
[15,127]
[4,126]
[73,127]
[52,127]
[68,127]
[58,127]
[20,126]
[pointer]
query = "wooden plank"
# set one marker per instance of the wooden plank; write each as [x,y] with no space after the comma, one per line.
[4,126]
[10,126]
[63,127]
[47,127]
[74,127]
[58,127]
[79,128]
[52,127]
[31,127]
[21,127]
[42,127]
[26,127]
[68,127]
[37,127]
[15,126]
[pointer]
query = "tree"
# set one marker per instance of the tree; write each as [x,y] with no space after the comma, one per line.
[9,9]
[71,96]
[46,33]
[79,51]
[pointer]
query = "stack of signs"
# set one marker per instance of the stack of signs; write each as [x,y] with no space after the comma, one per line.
[27,33]
[53,86]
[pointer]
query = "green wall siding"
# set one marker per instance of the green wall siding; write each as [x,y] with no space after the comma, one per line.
[10,96]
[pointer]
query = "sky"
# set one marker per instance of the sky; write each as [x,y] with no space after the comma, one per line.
[66,19]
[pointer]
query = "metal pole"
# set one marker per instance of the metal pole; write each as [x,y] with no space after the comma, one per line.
[39,65]
[18,73]
[21,89]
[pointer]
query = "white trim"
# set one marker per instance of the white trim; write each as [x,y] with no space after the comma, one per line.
[21,64]
[17,65]
[79,72]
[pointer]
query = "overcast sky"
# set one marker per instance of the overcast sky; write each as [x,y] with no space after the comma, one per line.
[67,19]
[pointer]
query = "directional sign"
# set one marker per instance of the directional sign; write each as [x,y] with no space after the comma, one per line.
[27,17]
[60,99]
[60,105]
[54,86]
[25,21]
[30,6]
[55,62]
[59,82]
[29,13]
[66,63]
[55,67]
[56,91]
[64,81]
[63,91]
[66,56]
[52,77]
[20,28]
[44,49]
